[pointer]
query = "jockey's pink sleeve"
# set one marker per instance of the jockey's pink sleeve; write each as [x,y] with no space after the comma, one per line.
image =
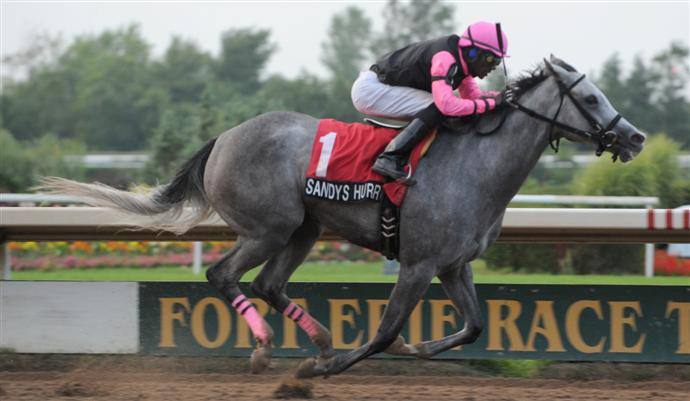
[469,89]
[445,99]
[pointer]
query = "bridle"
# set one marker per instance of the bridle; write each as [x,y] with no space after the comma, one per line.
[604,137]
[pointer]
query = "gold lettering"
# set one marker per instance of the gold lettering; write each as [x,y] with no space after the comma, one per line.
[415,324]
[618,322]
[497,325]
[683,309]
[199,328]
[375,308]
[290,328]
[544,323]
[168,316]
[243,331]
[572,326]
[339,317]
[439,318]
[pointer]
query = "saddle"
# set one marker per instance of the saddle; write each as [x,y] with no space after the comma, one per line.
[377,123]
[340,170]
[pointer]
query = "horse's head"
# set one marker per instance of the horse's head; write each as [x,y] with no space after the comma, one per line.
[586,115]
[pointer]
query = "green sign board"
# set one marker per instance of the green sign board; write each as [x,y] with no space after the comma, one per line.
[561,322]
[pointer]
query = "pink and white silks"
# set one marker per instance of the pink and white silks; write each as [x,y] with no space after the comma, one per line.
[372,97]
[442,93]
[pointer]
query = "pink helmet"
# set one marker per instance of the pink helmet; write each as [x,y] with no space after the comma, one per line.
[485,35]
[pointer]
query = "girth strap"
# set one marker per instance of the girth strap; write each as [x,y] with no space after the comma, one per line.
[390,228]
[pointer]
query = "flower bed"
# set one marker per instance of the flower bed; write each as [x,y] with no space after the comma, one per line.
[667,265]
[82,254]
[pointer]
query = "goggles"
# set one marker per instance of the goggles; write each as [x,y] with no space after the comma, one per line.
[492,60]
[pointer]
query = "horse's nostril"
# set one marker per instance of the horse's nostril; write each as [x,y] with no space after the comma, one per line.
[638,138]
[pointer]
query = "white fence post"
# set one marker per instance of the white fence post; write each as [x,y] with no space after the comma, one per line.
[649,260]
[649,254]
[196,262]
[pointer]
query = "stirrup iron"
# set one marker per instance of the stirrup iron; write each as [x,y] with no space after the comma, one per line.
[407,180]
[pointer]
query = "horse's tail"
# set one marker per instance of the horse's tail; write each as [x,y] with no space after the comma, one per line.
[165,202]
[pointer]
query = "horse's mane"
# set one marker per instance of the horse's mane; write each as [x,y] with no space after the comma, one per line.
[528,80]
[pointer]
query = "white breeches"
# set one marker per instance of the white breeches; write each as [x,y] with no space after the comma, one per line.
[374,98]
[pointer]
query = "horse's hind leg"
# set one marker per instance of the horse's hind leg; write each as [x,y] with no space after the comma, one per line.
[271,282]
[412,284]
[459,287]
[225,276]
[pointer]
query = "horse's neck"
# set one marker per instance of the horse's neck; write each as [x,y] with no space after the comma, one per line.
[507,156]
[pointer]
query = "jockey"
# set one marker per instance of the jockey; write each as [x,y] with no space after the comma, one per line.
[417,81]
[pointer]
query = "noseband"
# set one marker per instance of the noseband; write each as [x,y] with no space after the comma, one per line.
[604,137]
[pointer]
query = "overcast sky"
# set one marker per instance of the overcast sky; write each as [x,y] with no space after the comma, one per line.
[582,33]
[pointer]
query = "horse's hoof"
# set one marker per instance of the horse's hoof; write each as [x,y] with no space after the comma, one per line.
[260,359]
[400,347]
[422,351]
[307,369]
[312,367]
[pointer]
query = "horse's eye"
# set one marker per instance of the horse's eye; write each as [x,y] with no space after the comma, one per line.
[591,99]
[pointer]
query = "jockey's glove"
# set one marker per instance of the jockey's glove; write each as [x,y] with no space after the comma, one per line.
[507,97]
[499,100]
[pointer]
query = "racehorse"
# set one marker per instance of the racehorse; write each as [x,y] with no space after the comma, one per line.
[253,176]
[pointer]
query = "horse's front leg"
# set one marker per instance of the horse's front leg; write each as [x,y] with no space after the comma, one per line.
[413,282]
[459,286]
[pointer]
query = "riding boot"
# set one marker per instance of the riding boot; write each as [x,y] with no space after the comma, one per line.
[391,162]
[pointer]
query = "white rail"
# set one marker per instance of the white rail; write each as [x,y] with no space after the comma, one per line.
[553,225]
[34,199]
[519,225]
[646,201]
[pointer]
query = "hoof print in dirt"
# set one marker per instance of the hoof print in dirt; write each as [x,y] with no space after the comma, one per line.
[76,389]
[294,388]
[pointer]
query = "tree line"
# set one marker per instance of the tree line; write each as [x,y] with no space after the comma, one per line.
[108,92]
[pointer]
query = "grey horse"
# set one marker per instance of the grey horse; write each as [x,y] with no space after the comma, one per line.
[253,176]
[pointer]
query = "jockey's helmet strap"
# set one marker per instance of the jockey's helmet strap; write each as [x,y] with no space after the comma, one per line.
[499,37]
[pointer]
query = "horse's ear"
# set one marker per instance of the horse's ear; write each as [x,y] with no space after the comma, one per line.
[555,60]
[549,68]
[554,70]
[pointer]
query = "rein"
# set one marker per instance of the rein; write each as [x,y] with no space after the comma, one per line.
[604,137]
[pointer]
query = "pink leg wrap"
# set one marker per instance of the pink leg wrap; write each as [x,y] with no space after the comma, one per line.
[256,323]
[302,318]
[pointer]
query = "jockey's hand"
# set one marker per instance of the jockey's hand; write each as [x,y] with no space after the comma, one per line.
[499,101]
[508,96]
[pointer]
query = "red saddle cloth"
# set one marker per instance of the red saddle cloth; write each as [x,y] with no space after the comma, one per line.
[341,161]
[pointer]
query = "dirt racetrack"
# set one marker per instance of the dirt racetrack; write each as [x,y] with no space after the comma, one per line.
[44,377]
